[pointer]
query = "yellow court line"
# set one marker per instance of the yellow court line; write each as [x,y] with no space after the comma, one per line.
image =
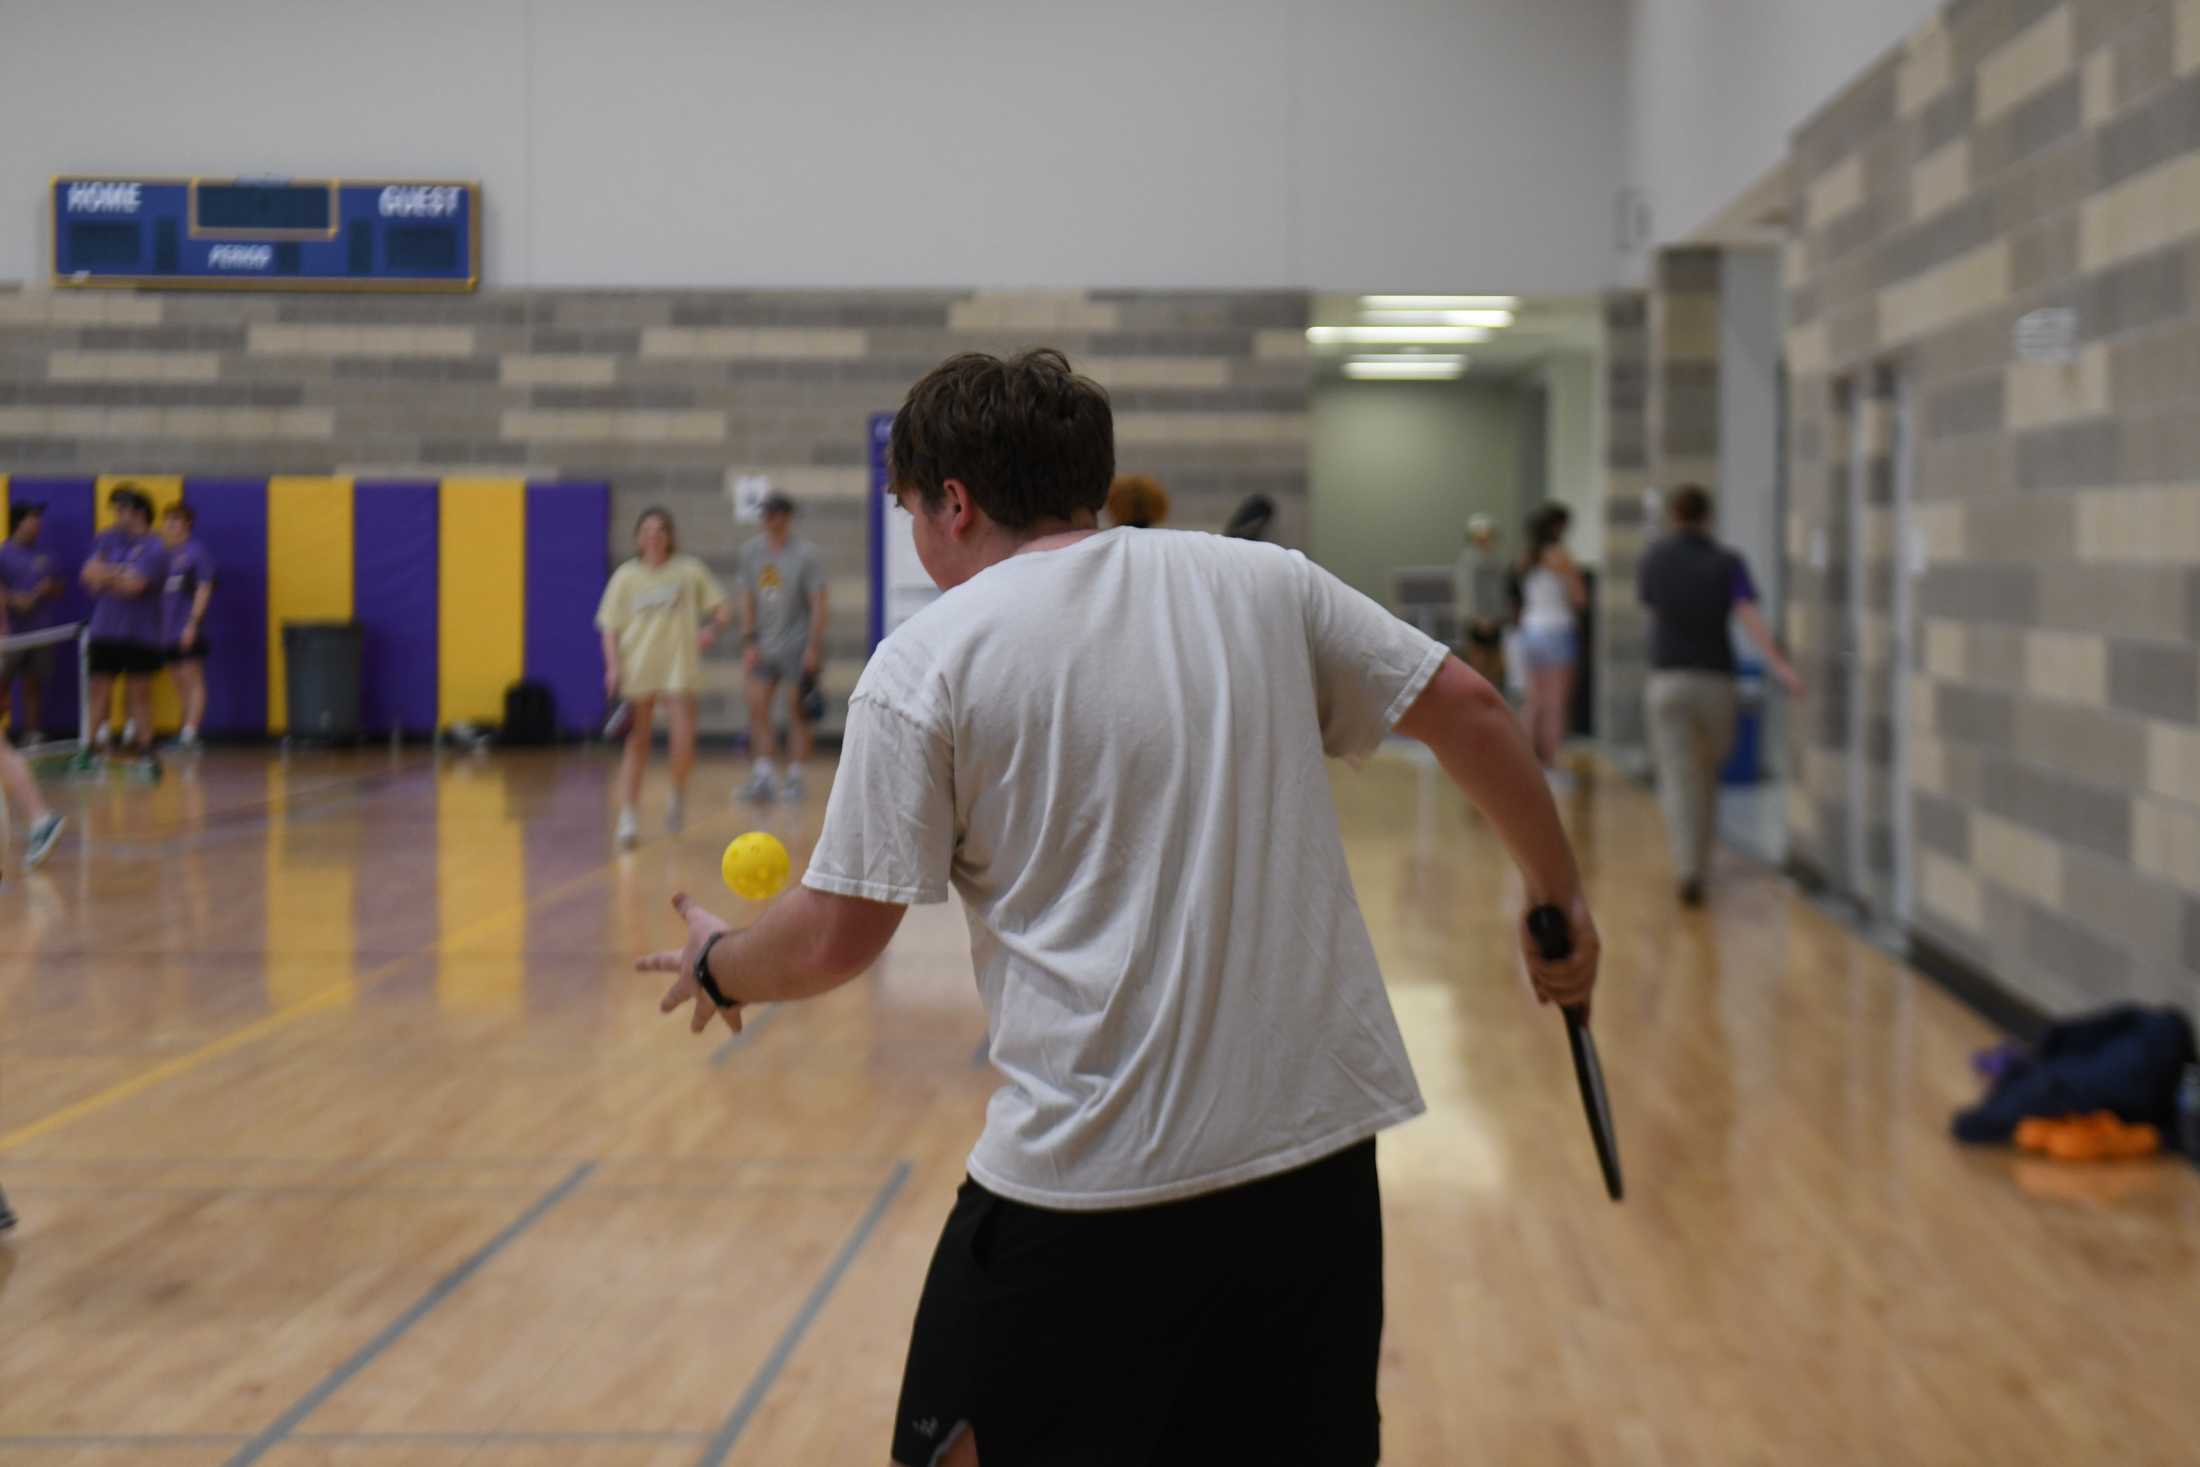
[260,1028]
[167,1069]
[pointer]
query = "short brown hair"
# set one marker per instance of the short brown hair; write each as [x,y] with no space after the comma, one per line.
[1030,439]
[1138,500]
[1691,505]
[182,512]
[672,531]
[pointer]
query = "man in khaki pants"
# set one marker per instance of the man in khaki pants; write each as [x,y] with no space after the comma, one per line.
[1695,587]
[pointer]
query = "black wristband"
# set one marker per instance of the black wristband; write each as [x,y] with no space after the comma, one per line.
[704,981]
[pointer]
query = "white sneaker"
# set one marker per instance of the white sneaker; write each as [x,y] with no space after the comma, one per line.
[129,734]
[790,788]
[630,829]
[102,737]
[759,788]
[675,816]
[40,844]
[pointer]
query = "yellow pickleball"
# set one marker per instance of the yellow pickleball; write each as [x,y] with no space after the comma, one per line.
[755,866]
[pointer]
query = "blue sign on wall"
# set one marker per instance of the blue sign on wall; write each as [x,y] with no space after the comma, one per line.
[267,233]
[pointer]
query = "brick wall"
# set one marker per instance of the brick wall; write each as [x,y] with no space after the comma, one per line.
[2016,154]
[1623,645]
[661,393]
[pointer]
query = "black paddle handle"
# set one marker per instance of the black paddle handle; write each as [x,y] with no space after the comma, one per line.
[1554,938]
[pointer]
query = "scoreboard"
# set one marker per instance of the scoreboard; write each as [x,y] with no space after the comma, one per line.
[267,233]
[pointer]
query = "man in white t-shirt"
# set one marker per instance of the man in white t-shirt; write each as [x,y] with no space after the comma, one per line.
[1111,745]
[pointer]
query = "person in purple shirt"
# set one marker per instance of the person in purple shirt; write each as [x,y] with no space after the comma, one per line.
[26,804]
[127,574]
[30,592]
[183,615]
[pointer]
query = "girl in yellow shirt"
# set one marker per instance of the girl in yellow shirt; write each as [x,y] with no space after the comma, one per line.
[658,616]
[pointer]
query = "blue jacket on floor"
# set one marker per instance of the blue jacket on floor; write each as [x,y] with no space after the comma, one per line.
[2125,1059]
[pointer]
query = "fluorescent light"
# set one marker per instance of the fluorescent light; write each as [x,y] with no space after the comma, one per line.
[1438,302]
[1494,318]
[1395,335]
[1431,369]
[1426,358]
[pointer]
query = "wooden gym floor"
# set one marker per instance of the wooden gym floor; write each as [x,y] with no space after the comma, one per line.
[343,1135]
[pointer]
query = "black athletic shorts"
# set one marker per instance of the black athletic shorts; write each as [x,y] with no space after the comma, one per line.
[1241,1326]
[196,652]
[124,659]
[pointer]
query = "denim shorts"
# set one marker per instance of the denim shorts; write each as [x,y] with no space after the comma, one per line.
[1548,646]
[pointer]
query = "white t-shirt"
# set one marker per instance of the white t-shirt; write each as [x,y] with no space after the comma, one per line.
[1544,602]
[1114,752]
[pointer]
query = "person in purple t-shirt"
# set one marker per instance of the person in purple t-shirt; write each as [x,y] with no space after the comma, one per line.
[183,615]
[30,590]
[127,574]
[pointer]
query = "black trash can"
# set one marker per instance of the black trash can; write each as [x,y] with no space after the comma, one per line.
[321,668]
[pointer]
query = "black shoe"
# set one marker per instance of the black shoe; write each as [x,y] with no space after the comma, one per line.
[1691,893]
[7,1218]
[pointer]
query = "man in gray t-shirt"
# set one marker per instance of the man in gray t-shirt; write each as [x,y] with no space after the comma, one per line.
[782,600]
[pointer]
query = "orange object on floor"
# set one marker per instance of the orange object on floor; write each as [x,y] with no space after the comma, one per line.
[2099,1136]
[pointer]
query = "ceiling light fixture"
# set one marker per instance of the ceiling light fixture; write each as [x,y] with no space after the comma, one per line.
[1413,354]
[1493,318]
[1395,335]
[1438,302]
[1407,369]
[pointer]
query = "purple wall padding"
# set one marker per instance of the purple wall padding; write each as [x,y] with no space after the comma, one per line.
[67,532]
[395,539]
[566,567]
[232,525]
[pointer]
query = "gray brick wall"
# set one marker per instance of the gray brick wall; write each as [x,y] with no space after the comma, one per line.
[1622,633]
[661,393]
[1662,400]
[2014,154]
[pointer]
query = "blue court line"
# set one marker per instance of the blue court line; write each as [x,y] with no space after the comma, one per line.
[749,1026]
[722,1444]
[440,1290]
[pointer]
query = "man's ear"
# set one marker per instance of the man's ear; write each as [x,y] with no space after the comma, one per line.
[961,513]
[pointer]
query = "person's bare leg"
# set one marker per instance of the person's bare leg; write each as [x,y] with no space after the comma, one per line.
[761,739]
[964,1453]
[680,712]
[801,738]
[639,732]
[30,701]
[102,702]
[24,801]
[191,685]
[1539,718]
[1562,708]
[138,693]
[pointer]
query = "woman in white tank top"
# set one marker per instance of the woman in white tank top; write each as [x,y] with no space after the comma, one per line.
[1551,598]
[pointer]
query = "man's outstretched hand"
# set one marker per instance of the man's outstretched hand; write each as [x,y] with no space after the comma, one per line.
[684,989]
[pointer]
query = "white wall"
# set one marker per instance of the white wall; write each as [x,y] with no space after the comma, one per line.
[1575,451]
[1409,144]
[1396,469]
[1717,86]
